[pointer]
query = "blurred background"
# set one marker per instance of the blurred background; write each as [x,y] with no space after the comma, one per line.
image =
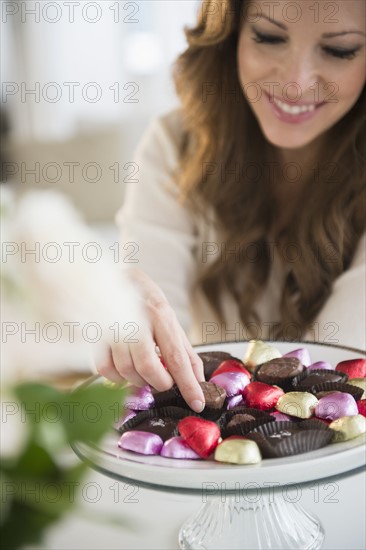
[80,82]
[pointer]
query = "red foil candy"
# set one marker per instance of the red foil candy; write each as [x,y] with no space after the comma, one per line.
[231,365]
[361,405]
[201,435]
[355,368]
[261,396]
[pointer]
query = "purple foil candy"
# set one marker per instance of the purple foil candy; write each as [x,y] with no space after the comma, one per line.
[127,416]
[302,354]
[141,400]
[336,405]
[234,401]
[145,443]
[279,417]
[232,382]
[321,365]
[176,447]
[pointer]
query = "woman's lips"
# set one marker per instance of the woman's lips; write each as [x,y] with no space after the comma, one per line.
[293,112]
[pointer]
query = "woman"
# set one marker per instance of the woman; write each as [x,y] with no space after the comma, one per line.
[249,214]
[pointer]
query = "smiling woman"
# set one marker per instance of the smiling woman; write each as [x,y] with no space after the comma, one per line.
[250,212]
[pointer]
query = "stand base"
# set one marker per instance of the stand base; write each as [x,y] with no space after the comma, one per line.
[269,523]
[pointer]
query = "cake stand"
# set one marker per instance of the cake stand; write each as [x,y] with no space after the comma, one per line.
[243,507]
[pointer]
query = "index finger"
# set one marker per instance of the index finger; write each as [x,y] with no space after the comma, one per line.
[177,361]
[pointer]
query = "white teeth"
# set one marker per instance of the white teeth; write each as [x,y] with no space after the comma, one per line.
[293,110]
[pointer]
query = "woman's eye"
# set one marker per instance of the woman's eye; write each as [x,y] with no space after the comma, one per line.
[341,54]
[267,38]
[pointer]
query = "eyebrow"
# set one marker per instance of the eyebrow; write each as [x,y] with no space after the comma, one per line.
[325,35]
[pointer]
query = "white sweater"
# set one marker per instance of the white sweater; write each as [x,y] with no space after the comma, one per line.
[172,246]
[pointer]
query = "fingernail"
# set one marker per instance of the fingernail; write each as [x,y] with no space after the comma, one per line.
[197,406]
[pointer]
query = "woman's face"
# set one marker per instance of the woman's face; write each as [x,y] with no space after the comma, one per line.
[301,65]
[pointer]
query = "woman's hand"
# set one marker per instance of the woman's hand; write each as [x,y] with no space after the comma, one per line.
[139,363]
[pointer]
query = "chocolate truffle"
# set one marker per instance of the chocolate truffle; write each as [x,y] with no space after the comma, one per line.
[279,371]
[214,395]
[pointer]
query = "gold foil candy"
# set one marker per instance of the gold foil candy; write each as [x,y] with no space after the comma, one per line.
[238,451]
[348,427]
[297,403]
[259,352]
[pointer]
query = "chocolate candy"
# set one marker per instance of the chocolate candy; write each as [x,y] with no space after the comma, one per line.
[201,435]
[302,354]
[348,427]
[214,395]
[355,368]
[320,365]
[261,396]
[239,419]
[164,427]
[141,442]
[259,352]
[319,376]
[296,403]
[235,401]
[238,450]
[231,365]
[277,439]
[232,382]
[360,383]
[177,447]
[141,400]
[335,406]
[279,371]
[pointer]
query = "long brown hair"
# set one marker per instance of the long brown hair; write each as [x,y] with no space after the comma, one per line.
[220,132]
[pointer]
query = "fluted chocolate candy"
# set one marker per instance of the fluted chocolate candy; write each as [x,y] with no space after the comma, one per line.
[279,371]
[145,443]
[214,395]
[348,427]
[237,450]
[259,352]
[239,419]
[232,382]
[320,376]
[297,403]
[261,396]
[335,406]
[177,447]
[320,365]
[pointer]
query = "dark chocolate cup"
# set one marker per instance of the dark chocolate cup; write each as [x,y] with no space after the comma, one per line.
[167,398]
[261,417]
[306,373]
[176,413]
[211,360]
[338,386]
[301,439]
[286,384]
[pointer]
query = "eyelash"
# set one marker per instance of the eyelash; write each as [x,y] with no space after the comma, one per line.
[339,54]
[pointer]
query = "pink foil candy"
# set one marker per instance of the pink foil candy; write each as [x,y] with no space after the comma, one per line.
[321,365]
[176,447]
[235,401]
[141,400]
[336,405]
[302,354]
[232,382]
[145,443]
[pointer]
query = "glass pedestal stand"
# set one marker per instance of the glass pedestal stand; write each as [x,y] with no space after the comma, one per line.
[250,522]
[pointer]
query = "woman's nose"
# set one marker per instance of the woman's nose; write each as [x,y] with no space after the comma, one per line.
[300,74]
